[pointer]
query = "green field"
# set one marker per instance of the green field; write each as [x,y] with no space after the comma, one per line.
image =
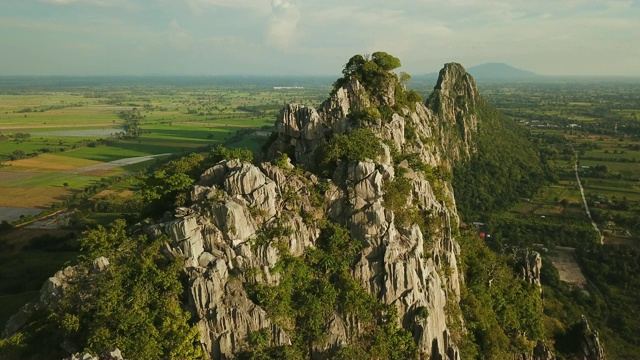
[598,122]
[61,137]
[81,121]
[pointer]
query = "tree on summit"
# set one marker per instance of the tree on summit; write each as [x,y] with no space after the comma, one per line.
[385,61]
[376,74]
[369,70]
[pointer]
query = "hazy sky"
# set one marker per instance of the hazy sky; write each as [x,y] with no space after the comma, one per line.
[315,37]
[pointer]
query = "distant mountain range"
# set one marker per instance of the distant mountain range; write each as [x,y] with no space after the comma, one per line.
[499,71]
[493,71]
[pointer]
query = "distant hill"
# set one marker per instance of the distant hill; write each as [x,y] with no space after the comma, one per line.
[488,72]
[499,71]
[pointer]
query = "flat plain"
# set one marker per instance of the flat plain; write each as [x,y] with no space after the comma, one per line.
[63,139]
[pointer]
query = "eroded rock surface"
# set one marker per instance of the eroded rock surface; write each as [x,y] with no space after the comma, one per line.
[413,268]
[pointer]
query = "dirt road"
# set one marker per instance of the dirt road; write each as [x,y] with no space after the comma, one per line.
[115,164]
[584,201]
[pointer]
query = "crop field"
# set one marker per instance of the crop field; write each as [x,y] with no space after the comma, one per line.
[59,138]
[599,124]
[51,134]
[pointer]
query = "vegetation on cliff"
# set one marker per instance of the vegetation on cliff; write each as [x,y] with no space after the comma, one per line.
[505,167]
[503,313]
[314,288]
[135,302]
[132,302]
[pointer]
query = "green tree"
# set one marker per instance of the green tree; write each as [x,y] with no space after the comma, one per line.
[132,303]
[315,287]
[385,61]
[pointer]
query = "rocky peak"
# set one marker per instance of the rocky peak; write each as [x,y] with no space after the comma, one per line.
[245,217]
[455,100]
[454,82]
[529,266]
[590,346]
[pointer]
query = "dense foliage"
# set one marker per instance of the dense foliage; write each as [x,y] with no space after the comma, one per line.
[167,187]
[525,231]
[503,313]
[614,270]
[133,304]
[376,74]
[131,123]
[357,145]
[314,289]
[505,168]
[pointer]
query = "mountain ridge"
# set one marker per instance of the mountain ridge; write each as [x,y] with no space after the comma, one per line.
[342,242]
[492,71]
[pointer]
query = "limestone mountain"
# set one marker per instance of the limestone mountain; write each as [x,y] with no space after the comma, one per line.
[342,243]
[367,161]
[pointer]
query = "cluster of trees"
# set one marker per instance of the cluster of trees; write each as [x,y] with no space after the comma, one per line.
[313,289]
[357,145]
[505,168]
[132,303]
[131,123]
[614,269]
[608,300]
[168,185]
[376,74]
[525,231]
[502,312]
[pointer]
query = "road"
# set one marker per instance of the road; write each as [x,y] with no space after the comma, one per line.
[584,201]
[115,164]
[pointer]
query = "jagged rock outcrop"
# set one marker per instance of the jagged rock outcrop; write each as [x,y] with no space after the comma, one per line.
[412,268]
[51,293]
[113,354]
[529,266]
[590,347]
[454,100]
[244,217]
[540,352]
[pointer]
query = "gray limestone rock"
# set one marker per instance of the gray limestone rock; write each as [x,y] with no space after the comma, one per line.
[399,263]
[529,266]
[50,294]
[222,235]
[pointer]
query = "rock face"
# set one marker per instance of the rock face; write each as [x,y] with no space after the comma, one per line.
[413,268]
[51,293]
[113,354]
[590,347]
[244,216]
[529,267]
[454,100]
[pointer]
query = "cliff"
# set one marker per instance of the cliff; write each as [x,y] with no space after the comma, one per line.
[342,242]
[406,263]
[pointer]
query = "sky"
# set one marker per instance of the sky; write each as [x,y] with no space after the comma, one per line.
[315,37]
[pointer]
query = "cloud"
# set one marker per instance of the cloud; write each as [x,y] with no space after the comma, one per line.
[282,27]
[179,37]
[257,6]
[100,3]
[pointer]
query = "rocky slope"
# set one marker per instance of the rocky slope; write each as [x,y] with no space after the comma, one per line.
[396,203]
[413,268]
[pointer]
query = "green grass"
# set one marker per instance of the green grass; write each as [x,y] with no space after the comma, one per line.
[630,170]
[53,179]
[104,153]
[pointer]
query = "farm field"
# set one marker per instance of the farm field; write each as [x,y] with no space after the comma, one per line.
[599,124]
[592,126]
[52,132]
[64,139]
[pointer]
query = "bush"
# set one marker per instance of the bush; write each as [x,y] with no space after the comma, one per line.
[358,145]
